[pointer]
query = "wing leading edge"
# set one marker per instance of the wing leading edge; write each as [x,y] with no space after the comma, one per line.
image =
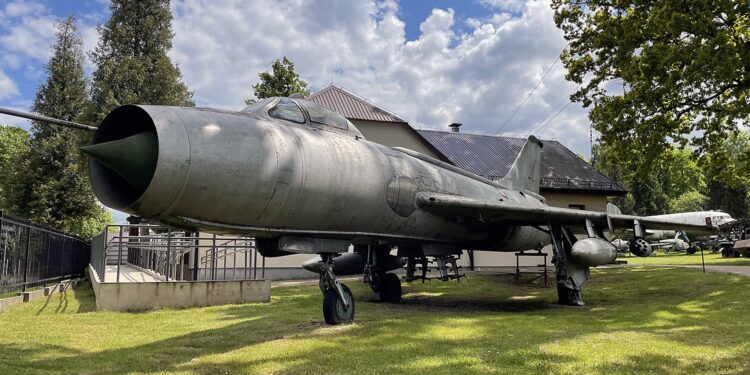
[454,206]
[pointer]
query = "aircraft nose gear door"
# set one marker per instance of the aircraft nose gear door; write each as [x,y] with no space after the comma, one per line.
[338,301]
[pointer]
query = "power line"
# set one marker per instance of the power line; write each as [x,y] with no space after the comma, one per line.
[549,69]
[551,118]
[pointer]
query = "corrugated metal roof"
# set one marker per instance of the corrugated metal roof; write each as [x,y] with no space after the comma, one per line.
[492,156]
[351,106]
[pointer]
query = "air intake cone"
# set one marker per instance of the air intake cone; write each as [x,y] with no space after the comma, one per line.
[132,158]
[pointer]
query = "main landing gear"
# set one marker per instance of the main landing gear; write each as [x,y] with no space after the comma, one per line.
[338,301]
[386,284]
[570,276]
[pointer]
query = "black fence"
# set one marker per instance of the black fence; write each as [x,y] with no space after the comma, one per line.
[32,255]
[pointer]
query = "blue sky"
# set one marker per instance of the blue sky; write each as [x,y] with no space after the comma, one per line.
[431,62]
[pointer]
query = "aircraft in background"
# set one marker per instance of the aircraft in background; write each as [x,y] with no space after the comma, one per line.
[303,180]
[676,240]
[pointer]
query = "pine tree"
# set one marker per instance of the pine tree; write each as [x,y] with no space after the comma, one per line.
[284,81]
[132,62]
[54,189]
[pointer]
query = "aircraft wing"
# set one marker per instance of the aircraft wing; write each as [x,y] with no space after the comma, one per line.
[454,206]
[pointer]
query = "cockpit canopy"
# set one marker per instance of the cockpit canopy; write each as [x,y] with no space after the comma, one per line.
[302,111]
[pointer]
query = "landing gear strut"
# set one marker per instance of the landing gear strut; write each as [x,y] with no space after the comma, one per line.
[570,276]
[338,302]
[386,284]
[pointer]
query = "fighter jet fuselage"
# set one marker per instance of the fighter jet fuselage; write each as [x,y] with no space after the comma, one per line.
[250,173]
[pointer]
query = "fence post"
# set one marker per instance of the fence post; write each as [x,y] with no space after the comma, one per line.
[213,258]
[102,257]
[169,253]
[74,269]
[46,264]
[4,244]
[197,254]
[255,262]
[26,258]
[119,254]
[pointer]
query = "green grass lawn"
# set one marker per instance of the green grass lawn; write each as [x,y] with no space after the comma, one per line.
[638,320]
[685,259]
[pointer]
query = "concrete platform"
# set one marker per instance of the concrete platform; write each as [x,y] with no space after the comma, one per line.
[130,274]
[139,291]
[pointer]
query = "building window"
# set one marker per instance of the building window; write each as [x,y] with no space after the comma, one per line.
[577,206]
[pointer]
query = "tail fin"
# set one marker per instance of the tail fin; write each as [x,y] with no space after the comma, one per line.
[613,210]
[524,173]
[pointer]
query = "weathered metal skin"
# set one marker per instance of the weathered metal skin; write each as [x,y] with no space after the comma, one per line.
[243,172]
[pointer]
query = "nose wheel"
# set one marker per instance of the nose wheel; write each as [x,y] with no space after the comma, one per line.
[337,310]
[338,301]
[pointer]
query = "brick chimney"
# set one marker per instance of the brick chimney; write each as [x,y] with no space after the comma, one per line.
[454,126]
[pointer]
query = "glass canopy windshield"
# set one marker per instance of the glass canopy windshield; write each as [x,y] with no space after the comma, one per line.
[257,105]
[322,115]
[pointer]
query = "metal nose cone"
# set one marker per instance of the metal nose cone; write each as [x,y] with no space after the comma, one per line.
[132,158]
[314,265]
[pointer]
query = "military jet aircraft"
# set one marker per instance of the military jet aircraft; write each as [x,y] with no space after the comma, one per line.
[681,240]
[303,180]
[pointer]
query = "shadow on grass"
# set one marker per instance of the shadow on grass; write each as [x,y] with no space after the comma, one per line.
[82,294]
[435,331]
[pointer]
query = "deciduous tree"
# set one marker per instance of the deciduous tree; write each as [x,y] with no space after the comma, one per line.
[14,145]
[283,81]
[660,72]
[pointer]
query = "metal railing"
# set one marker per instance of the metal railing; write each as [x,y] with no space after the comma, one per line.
[33,255]
[167,254]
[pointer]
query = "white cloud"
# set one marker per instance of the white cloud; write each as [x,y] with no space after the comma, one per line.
[27,33]
[8,87]
[22,8]
[477,78]
[515,6]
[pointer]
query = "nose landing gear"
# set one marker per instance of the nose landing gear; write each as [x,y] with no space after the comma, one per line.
[338,301]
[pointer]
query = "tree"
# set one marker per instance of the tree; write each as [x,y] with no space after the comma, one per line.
[658,72]
[645,195]
[284,81]
[732,200]
[689,202]
[727,165]
[132,62]
[91,225]
[669,182]
[53,188]
[14,145]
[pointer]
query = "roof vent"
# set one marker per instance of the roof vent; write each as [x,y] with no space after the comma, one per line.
[454,126]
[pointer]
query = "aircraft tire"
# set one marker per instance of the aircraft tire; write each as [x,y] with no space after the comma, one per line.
[390,288]
[334,311]
[691,250]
